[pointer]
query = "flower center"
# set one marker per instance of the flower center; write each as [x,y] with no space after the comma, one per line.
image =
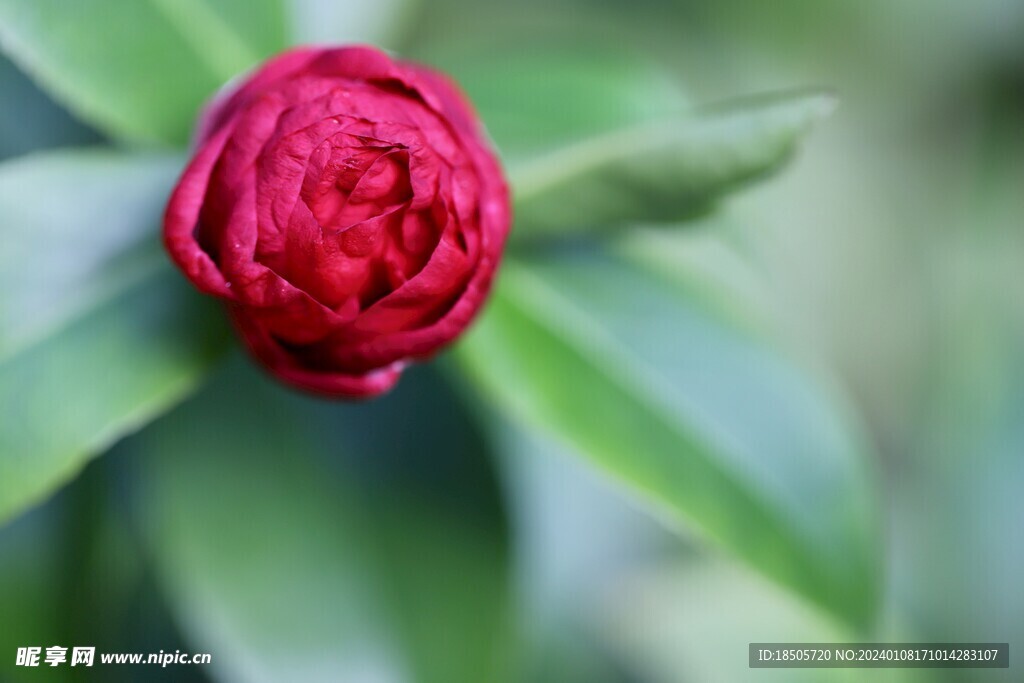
[357,184]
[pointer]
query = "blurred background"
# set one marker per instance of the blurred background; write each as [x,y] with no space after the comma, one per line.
[446,533]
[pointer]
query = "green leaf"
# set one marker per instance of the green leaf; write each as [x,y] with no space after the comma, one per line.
[539,97]
[29,120]
[139,70]
[575,535]
[70,396]
[79,227]
[660,171]
[97,335]
[291,552]
[31,572]
[74,558]
[706,423]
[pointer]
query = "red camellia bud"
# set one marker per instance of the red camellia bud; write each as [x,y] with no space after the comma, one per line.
[349,210]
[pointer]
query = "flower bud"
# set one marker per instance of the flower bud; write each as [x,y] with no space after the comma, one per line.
[349,210]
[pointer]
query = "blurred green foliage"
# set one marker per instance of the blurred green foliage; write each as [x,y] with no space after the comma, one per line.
[703,422]
[821,383]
